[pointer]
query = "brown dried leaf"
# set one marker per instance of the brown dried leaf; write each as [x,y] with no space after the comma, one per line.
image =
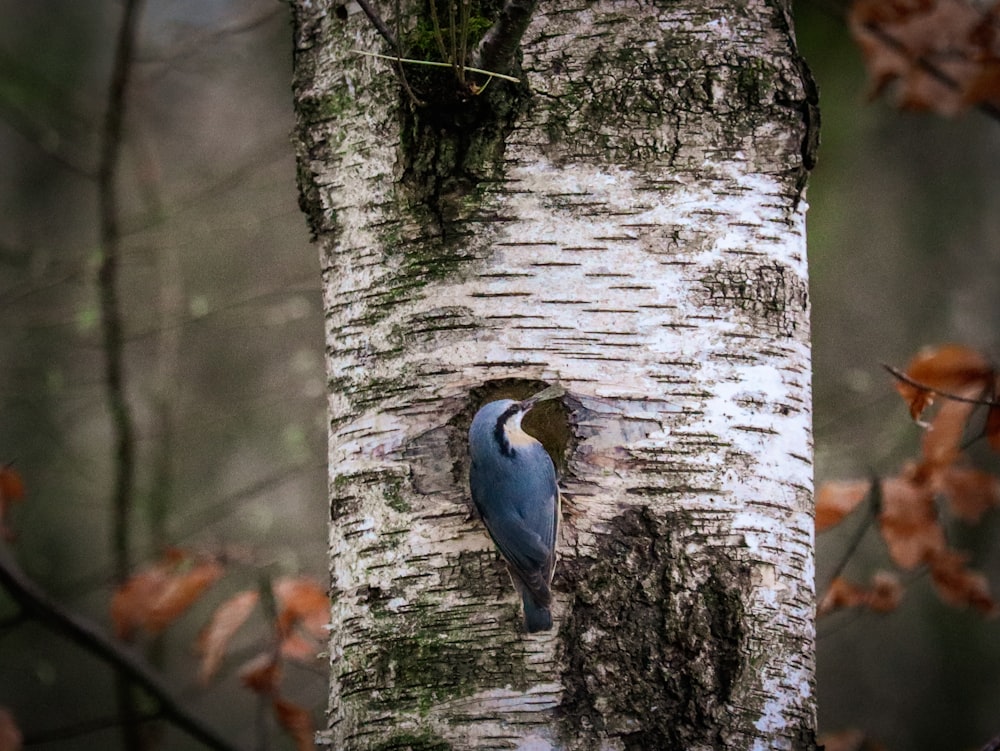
[848,740]
[133,600]
[841,594]
[11,738]
[970,492]
[952,368]
[181,592]
[942,441]
[886,592]
[159,594]
[297,722]
[959,586]
[11,491]
[226,621]
[303,611]
[262,673]
[835,500]
[993,428]
[908,521]
[11,485]
[882,596]
[939,52]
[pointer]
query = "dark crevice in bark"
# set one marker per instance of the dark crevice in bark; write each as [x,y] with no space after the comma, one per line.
[655,659]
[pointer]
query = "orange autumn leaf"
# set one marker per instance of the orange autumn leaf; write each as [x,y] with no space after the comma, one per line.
[182,592]
[942,440]
[985,84]
[226,621]
[132,602]
[11,738]
[835,500]
[951,368]
[159,594]
[848,740]
[11,491]
[958,585]
[297,647]
[908,521]
[303,610]
[841,594]
[940,54]
[993,428]
[883,596]
[885,593]
[297,722]
[262,674]
[970,492]
[11,484]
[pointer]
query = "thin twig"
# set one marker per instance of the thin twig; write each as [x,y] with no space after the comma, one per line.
[435,63]
[438,35]
[85,634]
[379,24]
[114,340]
[453,36]
[992,402]
[107,279]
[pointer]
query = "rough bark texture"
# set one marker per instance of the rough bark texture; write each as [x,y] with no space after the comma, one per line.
[629,224]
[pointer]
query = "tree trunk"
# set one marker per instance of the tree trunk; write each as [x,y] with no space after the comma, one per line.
[627,222]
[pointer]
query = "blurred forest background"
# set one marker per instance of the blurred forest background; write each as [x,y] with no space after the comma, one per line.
[224,367]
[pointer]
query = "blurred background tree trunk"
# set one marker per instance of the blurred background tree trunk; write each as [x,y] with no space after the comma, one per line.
[628,222]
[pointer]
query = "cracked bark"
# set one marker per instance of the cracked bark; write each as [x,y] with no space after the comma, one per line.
[629,225]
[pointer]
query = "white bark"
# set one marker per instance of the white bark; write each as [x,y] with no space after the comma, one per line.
[638,239]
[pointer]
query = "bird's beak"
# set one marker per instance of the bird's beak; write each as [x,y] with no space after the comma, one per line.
[552,392]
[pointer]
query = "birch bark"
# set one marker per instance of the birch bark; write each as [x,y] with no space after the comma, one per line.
[629,224]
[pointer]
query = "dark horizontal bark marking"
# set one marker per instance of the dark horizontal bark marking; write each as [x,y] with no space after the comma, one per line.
[500,294]
[755,429]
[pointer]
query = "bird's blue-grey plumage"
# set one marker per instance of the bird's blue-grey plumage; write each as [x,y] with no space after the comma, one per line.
[514,489]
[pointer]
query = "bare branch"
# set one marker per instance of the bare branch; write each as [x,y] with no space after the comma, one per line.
[379,25]
[107,279]
[496,50]
[112,329]
[83,633]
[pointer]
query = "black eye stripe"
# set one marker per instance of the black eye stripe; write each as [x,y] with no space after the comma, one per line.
[499,434]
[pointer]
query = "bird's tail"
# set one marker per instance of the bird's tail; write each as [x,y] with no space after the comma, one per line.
[536,617]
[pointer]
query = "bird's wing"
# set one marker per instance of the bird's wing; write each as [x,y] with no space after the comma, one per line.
[529,557]
[538,500]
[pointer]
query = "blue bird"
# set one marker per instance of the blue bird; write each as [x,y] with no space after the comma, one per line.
[514,489]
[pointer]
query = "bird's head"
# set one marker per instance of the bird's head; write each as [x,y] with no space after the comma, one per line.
[499,423]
